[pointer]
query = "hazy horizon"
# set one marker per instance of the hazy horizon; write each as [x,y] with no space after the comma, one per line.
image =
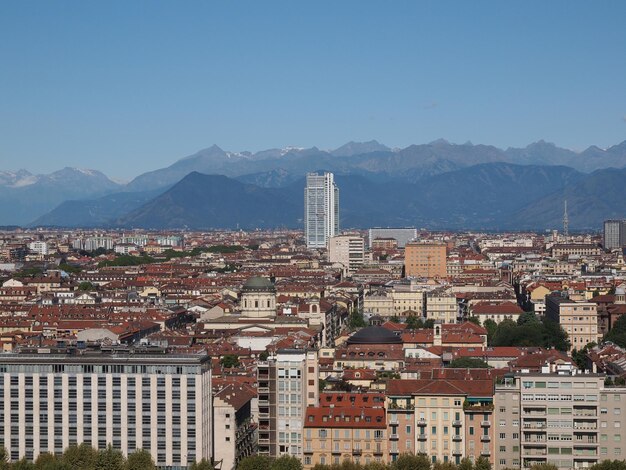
[129,87]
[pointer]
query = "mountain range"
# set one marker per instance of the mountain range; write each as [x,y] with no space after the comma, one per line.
[438,185]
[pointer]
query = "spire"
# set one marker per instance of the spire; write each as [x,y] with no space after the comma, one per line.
[565,221]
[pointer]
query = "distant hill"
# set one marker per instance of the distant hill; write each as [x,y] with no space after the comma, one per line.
[590,201]
[482,196]
[214,201]
[24,196]
[100,212]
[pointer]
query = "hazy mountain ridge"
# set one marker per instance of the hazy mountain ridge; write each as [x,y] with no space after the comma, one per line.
[25,197]
[482,196]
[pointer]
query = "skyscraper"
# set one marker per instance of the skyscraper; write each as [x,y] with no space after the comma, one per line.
[614,234]
[321,209]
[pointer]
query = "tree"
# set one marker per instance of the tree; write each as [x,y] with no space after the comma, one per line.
[255,462]
[474,319]
[429,324]
[356,320]
[617,334]
[85,285]
[482,463]
[414,322]
[527,317]
[4,459]
[444,466]
[555,335]
[466,464]
[110,459]
[47,461]
[491,327]
[411,462]
[286,462]
[204,464]
[142,460]
[82,457]
[264,355]
[23,464]
[609,465]
[229,361]
[468,363]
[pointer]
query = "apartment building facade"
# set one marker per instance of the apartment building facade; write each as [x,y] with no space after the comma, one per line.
[334,434]
[54,398]
[444,419]
[578,319]
[287,384]
[425,259]
[563,418]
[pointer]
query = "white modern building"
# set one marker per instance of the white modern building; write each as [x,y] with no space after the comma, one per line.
[347,250]
[614,234]
[132,399]
[39,247]
[321,209]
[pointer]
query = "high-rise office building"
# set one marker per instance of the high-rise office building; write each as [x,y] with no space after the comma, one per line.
[321,209]
[53,398]
[614,234]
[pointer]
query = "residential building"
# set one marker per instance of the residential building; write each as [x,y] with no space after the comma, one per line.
[446,418]
[233,428]
[287,384]
[321,209]
[558,417]
[425,259]
[352,431]
[441,306]
[131,399]
[578,319]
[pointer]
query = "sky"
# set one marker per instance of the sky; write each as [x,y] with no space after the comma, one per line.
[131,86]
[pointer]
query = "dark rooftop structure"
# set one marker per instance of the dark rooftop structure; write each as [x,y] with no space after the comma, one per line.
[374,335]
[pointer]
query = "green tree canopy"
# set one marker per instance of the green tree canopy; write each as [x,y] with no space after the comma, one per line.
[82,457]
[468,363]
[286,462]
[204,464]
[229,361]
[482,463]
[414,322]
[411,462]
[142,460]
[85,285]
[617,334]
[23,464]
[110,459]
[255,462]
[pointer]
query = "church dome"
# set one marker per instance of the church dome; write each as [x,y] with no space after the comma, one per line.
[258,284]
[374,335]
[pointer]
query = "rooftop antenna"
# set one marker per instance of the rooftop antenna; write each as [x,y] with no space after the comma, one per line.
[565,221]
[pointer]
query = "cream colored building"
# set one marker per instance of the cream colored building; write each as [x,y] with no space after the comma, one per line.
[441,306]
[347,250]
[578,319]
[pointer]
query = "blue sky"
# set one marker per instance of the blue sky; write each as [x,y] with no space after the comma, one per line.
[130,86]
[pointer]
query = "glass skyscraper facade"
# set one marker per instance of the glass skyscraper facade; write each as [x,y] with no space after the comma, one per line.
[321,209]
